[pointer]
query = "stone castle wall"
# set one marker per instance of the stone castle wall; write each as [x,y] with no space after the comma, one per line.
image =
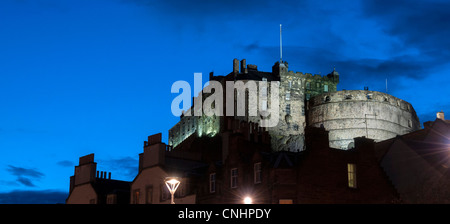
[354,113]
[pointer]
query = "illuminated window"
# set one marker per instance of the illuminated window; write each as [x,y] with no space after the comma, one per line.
[136,196]
[212,182]
[285,201]
[257,173]
[234,177]
[351,171]
[325,88]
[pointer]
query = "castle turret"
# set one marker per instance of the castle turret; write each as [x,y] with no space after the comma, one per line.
[279,68]
[334,76]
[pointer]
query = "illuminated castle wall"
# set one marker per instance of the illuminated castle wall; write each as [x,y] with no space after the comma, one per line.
[295,88]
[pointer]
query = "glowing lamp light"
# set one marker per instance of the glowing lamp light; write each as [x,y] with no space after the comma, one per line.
[172,184]
[248,200]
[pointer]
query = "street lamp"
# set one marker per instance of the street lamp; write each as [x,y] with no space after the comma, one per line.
[172,184]
[248,200]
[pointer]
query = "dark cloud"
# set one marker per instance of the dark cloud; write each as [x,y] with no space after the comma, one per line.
[25,181]
[123,168]
[66,163]
[33,197]
[20,171]
[24,175]
[423,25]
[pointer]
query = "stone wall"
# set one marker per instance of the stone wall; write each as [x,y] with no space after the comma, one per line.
[354,113]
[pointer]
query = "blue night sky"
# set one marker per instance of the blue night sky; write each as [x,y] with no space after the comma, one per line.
[80,77]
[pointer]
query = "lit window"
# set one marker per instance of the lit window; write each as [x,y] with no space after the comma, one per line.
[257,173]
[212,182]
[234,177]
[136,196]
[325,88]
[351,170]
[285,201]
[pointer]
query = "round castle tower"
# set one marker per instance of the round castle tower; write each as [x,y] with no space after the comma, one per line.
[354,113]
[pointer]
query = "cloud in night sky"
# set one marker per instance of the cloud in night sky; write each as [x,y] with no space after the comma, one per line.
[25,175]
[65,163]
[33,197]
[125,168]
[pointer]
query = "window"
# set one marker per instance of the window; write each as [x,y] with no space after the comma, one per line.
[111,199]
[308,96]
[351,170]
[317,85]
[288,95]
[212,182]
[308,85]
[325,88]
[285,201]
[149,195]
[234,177]
[290,84]
[136,196]
[288,109]
[257,173]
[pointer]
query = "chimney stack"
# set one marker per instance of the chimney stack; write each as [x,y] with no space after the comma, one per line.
[243,67]
[235,66]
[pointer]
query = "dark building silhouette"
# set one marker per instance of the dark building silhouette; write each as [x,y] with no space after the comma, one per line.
[89,186]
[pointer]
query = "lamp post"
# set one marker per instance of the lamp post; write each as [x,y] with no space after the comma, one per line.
[248,200]
[172,184]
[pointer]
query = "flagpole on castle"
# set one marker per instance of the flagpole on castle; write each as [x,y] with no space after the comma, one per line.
[281,47]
